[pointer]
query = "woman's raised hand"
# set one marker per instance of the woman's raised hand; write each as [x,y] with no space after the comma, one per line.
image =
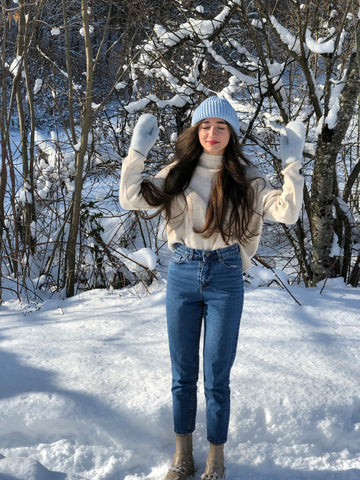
[292,140]
[145,133]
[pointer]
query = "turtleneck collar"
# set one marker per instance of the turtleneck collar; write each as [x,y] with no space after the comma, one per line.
[210,161]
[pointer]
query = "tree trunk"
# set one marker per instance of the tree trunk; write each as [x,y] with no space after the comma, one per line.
[79,157]
[322,203]
[21,51]
[324,176]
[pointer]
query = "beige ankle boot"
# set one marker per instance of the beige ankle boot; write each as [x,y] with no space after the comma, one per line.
[183,463]
[215,469]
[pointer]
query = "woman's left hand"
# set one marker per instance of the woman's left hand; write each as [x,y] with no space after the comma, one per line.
[292,140]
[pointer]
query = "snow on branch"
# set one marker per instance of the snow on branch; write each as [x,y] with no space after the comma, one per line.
[334,104]
[346,209]
[193,28]
[178,100]
[16,65]
[320,46]
[286,36]
[225,64]
[204,29]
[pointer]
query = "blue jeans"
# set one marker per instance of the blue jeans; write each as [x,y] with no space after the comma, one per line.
[203,285]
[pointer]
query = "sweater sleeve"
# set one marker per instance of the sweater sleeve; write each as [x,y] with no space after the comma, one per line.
[130,182]
[284,205]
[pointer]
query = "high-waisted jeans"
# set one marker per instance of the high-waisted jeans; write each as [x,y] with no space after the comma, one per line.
[203,286]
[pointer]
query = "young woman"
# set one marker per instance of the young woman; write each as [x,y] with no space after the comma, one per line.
[214,203]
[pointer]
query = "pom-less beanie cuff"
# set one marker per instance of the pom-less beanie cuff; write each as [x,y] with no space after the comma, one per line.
[216,107]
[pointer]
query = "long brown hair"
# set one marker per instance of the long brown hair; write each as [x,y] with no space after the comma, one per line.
[231,201]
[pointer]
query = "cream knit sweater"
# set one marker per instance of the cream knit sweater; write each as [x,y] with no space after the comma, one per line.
[276,205]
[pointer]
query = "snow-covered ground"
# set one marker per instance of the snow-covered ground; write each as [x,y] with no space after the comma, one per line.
[85,387]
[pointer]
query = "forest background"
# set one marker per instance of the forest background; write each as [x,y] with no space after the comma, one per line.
[74,77]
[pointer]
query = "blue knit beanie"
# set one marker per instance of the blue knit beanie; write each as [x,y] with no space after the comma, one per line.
[216,107]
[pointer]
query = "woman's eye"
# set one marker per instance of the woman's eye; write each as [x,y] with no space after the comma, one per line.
[206,127]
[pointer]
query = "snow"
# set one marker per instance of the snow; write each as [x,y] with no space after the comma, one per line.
[193,28]
[85,387]
[82,30]
[85,382]
[225,64]
[320,46]
[286,36]
[137,105]
[145,257]
[15,65]
[38,85]
[334,105]
[120,86]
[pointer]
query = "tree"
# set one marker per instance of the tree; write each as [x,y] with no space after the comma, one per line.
[52,229]
[80,76]
[86,121]
[277,62]
[18,23]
